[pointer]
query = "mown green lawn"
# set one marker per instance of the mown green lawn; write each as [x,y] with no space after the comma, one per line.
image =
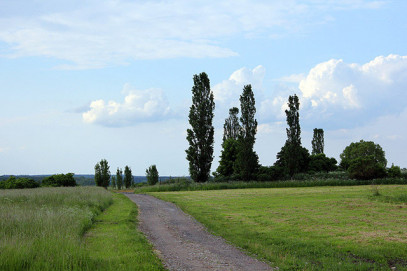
[315,228]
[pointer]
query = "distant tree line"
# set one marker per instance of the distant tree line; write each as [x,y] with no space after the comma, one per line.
[56,180]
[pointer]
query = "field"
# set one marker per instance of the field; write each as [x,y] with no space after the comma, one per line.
[65,229]
[314,228]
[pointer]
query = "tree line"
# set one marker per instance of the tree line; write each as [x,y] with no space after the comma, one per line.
[239,161]
[56,180]
[119,181]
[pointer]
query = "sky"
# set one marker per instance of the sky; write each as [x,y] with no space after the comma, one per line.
[82,81]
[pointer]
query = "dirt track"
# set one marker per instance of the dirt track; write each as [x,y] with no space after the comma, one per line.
[183,243]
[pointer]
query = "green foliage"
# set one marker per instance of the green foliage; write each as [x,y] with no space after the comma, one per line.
[201,135]
[247,161]
[293,164]
[102,173]
[18,183]
[293,157]
[394,171]
[364,160]
[231,128]
[272,173]
[293,120]
[319,162]
[366,168]
[128,177]
[318,141]
[362,149]
[321,228]
[152,175]
[59,180]
[227,158]
[119,178]
[113,183]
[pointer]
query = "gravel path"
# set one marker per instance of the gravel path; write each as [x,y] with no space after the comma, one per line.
[183,243]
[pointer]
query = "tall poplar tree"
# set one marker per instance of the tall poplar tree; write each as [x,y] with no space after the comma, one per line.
[128,177]
[201,135]
[231,130]
[152,175]
[247,162]
[119,178]
[102,173]
[318,141]
[293,157]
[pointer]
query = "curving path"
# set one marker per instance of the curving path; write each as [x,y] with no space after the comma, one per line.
[183,243]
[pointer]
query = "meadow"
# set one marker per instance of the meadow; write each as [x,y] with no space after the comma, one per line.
[62,229]
[313,228]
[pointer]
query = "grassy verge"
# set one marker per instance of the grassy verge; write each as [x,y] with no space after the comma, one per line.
[191,186]
[114,243]
[45,229]
[42,229]
[316,228]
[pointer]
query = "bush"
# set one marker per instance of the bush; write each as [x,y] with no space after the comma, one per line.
[394,171]
[366,168]
[20,183]
[272,173]
[319,162]
[59,180]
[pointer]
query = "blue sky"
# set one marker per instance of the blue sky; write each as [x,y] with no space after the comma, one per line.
[86,80]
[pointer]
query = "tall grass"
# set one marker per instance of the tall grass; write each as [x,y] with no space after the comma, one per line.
[42,229]
[191,186]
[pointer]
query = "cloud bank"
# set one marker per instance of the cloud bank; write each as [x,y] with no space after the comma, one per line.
[94,34]
[341,94]
[333,94]
[138,106]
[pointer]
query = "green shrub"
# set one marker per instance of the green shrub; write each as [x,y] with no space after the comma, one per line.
[59,180]
[319,162]
[272,173]
[20,183]
[394,171]
[366,168]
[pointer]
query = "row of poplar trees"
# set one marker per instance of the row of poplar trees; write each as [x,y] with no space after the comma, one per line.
[103,177]
[238,159]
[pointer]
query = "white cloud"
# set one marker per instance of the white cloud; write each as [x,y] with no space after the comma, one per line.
[293,78]
[95,34]
[337,94]
[229,91]
[138,106]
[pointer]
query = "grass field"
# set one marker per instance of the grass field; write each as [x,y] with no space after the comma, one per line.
[315,228]
[47,229]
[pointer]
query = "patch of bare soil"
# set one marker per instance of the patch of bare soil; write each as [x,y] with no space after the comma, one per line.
[183,243]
